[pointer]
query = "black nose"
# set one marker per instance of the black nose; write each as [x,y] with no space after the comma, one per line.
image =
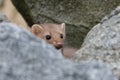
[59,45]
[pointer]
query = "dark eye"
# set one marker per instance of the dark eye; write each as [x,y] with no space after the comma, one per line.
[48,37]
[61,35]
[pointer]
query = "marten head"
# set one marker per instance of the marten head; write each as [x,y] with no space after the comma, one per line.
[52,33]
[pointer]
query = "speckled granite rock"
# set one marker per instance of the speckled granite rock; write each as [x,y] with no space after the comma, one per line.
[79,15]
[103,42]
[25,57]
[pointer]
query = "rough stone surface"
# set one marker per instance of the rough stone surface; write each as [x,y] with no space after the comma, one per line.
[25,57]
[103,42]
[79,15]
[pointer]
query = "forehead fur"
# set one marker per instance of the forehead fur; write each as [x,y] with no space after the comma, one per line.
[52,27]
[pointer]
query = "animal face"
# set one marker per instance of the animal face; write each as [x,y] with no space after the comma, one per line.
[52,33]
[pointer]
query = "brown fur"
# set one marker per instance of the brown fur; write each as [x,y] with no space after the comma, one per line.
[54,30]
[13,15]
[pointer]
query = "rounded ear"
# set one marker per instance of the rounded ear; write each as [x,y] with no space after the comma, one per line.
[63,26]
[36,29]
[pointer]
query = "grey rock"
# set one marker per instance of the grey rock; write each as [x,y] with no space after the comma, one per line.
[103,42]
[79,15]
[26,57]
